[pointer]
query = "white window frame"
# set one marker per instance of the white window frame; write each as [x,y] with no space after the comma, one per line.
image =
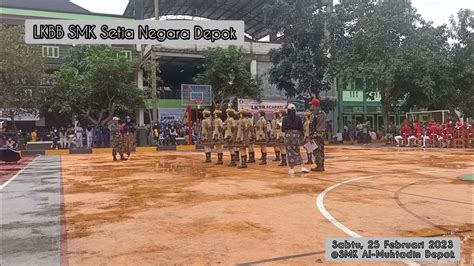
[127,54]
[47,49]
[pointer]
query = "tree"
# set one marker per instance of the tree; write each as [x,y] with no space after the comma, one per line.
[425,81]
[21,71]
[96,84]
[299,66]
[462,31]
[227,73]
[373,39]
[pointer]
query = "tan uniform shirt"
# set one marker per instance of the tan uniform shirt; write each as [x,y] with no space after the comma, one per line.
[243,131]
[206,131]
[276,130]
[230,133]
[261,129]
[306,128]
[217,135]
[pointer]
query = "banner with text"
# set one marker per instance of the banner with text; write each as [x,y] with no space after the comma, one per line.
[171,114]
[24,115]
[210,33]
[268,105]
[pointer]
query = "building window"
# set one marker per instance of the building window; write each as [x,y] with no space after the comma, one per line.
[51,51]
[127,54]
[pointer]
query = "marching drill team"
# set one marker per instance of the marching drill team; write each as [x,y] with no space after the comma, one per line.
[240,134]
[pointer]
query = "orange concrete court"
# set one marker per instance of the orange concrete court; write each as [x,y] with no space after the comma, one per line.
[171,208]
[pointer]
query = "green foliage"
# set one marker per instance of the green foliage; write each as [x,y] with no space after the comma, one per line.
[21,71]
[227,73]
[463,61]
[410,62]
[328,105]
[97,84]
[425,80]
[300,65]
[387,42]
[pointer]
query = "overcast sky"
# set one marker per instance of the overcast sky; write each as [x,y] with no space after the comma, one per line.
[437,11]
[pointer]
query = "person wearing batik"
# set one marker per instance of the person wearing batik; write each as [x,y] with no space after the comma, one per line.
[230,133]
[249,117]
[217,136]
[292,127]
[243,136]
[317,133]
[276,133]
[206,134]
[116,139]
[307,139]
[280,141]
[261,136]
[128,130]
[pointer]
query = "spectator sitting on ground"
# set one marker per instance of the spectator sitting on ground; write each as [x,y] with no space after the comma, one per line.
[10,143]
[173,135]
[34,136]
[2,141]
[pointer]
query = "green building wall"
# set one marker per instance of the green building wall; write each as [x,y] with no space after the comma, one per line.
[354,104]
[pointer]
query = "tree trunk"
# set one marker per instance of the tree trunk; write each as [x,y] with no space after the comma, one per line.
[385,107]
[12,118]
[150,116]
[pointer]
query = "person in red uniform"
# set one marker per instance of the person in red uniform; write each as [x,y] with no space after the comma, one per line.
[441,136]
[468,131]
[458,129]
[448,131]
[405,133]
[417,133]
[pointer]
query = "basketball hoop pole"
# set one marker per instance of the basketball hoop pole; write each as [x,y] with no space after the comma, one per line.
[189,110]
[190,124]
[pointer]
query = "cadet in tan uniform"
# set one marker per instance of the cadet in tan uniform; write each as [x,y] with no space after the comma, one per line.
[261,135]
[281,138]
[249,117]
[217,136]
[276,132]
[307,138]
[230,133]
[236,149]
[206,134]
[243,137]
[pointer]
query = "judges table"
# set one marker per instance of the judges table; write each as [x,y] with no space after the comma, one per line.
[38,145]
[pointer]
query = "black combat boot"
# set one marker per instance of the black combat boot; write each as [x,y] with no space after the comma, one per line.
[310,158]
[319,167]
[264,159]
[277,156]
[232,160]
[243,162]
[237,156]
[251,157]
[208,157]
[219,159]
[283,160]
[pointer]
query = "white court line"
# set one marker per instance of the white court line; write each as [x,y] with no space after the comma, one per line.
[339,225]
[17,174]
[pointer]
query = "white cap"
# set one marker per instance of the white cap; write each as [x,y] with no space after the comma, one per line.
[116,118]
[291,107]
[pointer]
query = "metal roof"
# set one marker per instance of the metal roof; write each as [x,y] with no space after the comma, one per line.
[48,5]
[250,11]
